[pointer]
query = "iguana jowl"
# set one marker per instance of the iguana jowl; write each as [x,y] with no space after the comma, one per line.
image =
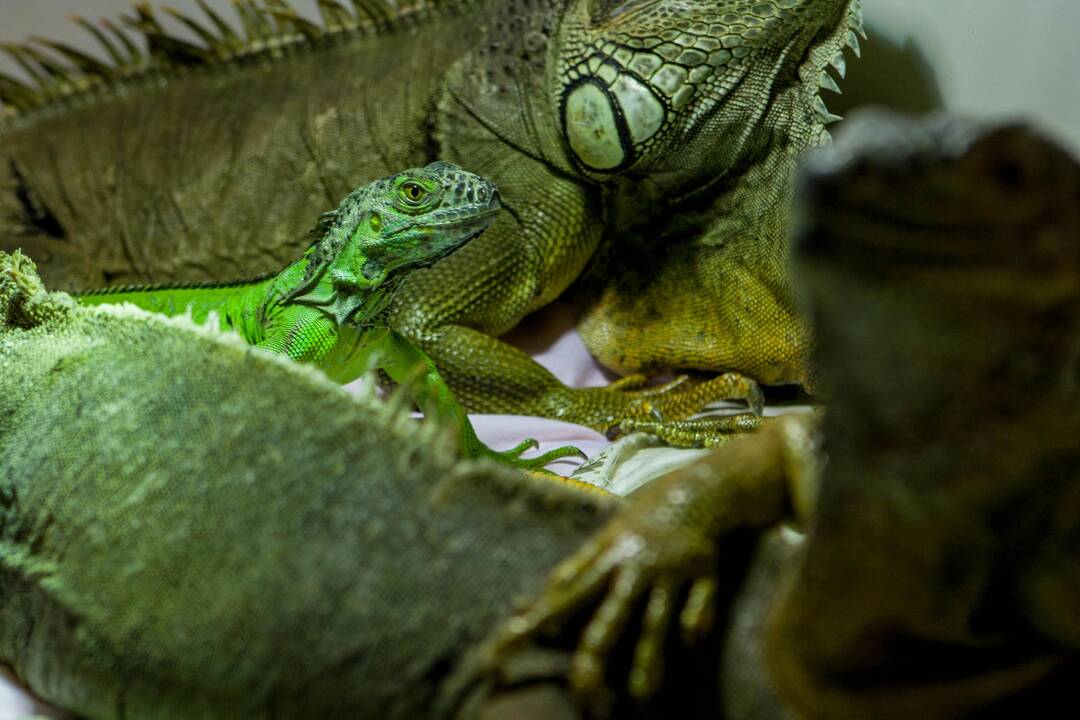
[329,307]
[646,148]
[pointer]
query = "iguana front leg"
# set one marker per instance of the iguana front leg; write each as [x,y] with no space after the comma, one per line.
[520,264]
[307,335]
[407,365]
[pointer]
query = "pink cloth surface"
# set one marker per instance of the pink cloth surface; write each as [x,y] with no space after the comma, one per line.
[550,336]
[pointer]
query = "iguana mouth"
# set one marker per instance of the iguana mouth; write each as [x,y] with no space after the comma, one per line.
[493,207]
[455,222]
[432,258]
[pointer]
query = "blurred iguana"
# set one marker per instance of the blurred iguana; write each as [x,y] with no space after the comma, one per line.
[646,147]
[329,307]
[940,571]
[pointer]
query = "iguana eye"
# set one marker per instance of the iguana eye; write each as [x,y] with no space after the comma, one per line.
[413,192]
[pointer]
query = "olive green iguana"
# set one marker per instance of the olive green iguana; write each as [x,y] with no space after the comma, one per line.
[644,151]
[939,575]
[329,307]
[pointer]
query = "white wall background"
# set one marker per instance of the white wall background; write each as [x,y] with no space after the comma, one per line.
[986,57]
[983,57]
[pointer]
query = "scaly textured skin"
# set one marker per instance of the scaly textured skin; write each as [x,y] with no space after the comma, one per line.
[939,572]
[189,529]
[645,149]
[329,307]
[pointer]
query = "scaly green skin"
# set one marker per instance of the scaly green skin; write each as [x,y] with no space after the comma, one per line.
[939,573]
[328,308]
[192,530]
[665,169]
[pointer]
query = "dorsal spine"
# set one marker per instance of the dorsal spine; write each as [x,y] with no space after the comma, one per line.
[159,287]
[268,29]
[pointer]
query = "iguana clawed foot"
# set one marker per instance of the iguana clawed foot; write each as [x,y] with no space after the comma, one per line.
[658,559]
[648,556]
[662,410]
[513,455]
[684,396]
[703,432]
[633,399]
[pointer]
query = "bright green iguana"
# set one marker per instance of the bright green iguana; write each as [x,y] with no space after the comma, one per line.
[643,148]
[329,307]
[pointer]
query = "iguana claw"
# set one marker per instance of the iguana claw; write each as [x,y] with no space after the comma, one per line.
[660,554]
[662,409]
[513,455]
[640,558]
[699,432]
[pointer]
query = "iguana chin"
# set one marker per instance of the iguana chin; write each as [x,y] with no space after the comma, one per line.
[938,501]
[644,151]
[329,307]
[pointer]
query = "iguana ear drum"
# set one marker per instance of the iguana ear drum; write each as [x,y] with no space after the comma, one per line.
[605,124]
[594,127]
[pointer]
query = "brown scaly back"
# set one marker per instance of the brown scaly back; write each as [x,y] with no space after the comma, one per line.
[141,46]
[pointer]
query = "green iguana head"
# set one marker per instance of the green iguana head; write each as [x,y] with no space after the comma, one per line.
[409,220]
[401,222]
[663,85]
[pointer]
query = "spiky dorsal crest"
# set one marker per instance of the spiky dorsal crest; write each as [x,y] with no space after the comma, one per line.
[816,72]
[265,28]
